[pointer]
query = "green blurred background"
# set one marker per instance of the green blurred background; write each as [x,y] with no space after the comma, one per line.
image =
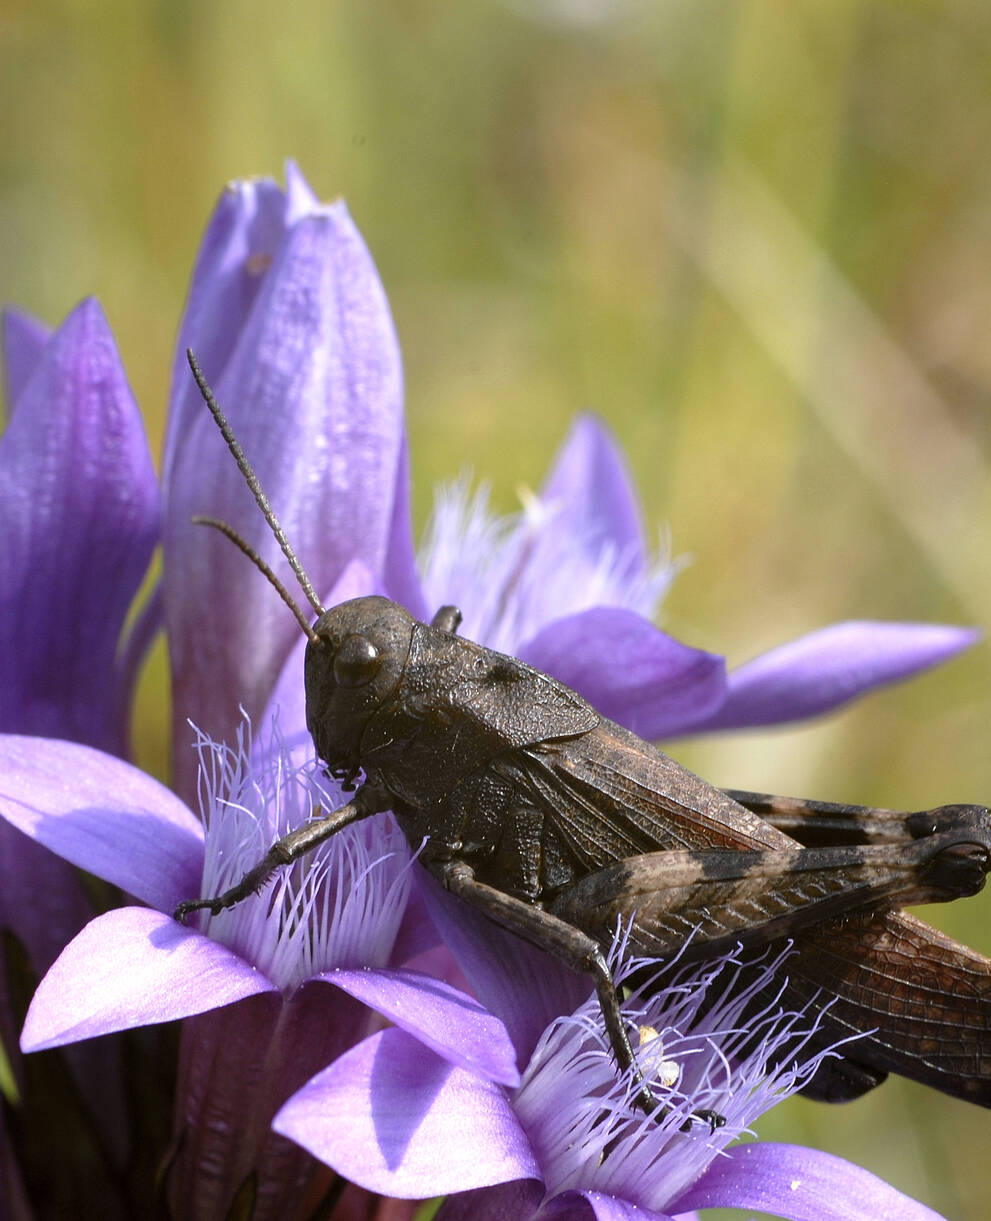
[755,237]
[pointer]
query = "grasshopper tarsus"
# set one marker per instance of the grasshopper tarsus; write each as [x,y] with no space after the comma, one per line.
[712,1118]
[645,1100]
[188,906]
[248,885]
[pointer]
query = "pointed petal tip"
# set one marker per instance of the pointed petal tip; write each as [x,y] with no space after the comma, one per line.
[134,967]
[828,668]
[392,1116]
[447,1021]
[23,340]
[301,199]
[84,314]
[800,1184]
[114,820]
[591,489]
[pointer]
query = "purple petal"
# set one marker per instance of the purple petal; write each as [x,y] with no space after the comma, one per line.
[313,386]
[591,492]
[241,240]
[523,1202]
[78,518]
[453,1025]
[418,946]
[134,967]
[827,668]
[104,815]
[300,196]
[41,899]
[609,1208]
[630,670]
[140,635]
[800,1184]
[522,985]
[393,1117]
[519,1200]
[24,339]
[400,575]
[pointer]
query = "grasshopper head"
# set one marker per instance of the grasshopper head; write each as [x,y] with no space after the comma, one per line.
[352,668]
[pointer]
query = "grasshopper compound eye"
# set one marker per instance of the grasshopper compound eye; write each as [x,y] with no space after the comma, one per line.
[356,662]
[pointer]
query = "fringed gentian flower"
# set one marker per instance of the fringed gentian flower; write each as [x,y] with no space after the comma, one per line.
[418,1110]
[78,521]
[256,1024]
[572,588]
[333,316]
[291,325]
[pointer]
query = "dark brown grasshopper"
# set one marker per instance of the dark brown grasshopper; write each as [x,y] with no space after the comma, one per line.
[558,824]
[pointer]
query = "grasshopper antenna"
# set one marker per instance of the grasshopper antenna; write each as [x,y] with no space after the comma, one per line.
[264,569]
[244,466]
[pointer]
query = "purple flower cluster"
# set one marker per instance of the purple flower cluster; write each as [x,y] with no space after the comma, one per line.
[492,1082]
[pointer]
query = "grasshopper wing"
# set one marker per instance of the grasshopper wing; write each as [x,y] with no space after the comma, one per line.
[920,1001]
[608,795]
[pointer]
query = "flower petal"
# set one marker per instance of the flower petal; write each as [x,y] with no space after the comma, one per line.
[241,240]
[519,1200]
[400,574]
[590,493]
[392,1116]
[447,1021]
[134,967]
[313,386]
[79,519]
[800,1184]
[630,670]
[104,815]
[300,196]
[41,899]
[24,339]
[609,1208]
[136,643]
[825,669]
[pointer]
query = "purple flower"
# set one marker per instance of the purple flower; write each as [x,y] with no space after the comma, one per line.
[323,324]
[571,587]
[255,1026]
[562,1139]
[78,521]
[291,325]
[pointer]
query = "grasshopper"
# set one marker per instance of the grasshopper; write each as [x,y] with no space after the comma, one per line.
[559,824]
